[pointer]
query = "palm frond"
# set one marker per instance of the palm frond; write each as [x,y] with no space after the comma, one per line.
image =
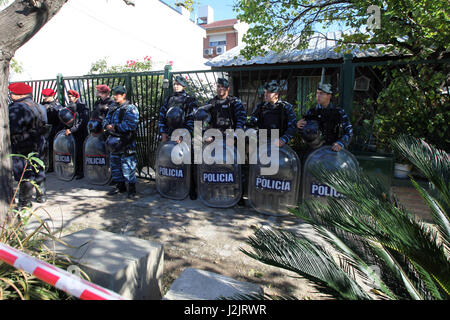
[432,162]
[300,255]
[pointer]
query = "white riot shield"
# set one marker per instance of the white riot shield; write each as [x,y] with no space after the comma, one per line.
[173,177]
[331,160]
[220,184]
[96,160]
[275,194]
[64,156]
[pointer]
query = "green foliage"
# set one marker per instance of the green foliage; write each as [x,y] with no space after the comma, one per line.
[101,66]
[410,103]
[16,66]
[16,284]
[368,230]
[413,104]
[417,27]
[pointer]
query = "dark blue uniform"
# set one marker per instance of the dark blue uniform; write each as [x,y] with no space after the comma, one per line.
[53,108]
[125,119]
[228,113]
[27,128]
[79,131]
[187,103]
[279,116]
[101,108]
[333,122]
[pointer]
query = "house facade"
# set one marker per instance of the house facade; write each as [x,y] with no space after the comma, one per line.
[221,36]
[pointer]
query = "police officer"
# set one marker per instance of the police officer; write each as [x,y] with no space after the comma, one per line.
[121,124]
[101,106]
[227,112]
[177,111]
[333,121]
[53,108]
[78,129]
[27,129]
[275,114]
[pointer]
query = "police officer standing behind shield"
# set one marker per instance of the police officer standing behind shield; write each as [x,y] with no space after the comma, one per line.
[101,106]
[275,114]
[177,111]
[227,112]
[78,129]
[121,124]
[333,121]
[27,129]
[53,107]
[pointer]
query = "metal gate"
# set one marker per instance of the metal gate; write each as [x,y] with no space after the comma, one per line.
[145,91]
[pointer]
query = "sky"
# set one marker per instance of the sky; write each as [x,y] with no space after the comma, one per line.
[223,9]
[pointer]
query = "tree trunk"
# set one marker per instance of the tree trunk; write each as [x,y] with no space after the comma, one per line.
[19,22]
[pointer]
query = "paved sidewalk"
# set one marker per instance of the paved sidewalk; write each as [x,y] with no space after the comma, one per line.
[193,235]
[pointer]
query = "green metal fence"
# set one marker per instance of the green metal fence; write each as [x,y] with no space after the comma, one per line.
[357,85]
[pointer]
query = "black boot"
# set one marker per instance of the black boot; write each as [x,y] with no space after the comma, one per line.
[119,188]
[131,191]
[25,195]
[41,196]
[192,194]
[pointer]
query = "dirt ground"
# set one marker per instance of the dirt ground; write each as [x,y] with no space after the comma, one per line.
[193,235]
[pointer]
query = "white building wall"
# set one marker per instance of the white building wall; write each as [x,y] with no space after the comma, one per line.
[85,31]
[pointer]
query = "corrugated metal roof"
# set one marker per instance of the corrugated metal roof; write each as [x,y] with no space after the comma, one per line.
[320,48]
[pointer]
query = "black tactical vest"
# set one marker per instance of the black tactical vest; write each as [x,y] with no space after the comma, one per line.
[181,100]
[329,122]
[101,109]
[273,117]
[223,114]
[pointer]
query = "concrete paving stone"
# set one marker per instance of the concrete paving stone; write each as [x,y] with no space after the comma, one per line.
[195,284]
[129,266]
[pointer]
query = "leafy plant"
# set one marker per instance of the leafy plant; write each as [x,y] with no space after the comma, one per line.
[412,104]
[17,284]
[101,66]
[369,231]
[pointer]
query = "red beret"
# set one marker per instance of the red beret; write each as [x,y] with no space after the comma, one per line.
[74,93]
[103,88]
[48,92]
[20,88]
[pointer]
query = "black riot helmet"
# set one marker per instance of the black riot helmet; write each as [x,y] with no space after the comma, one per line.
[204,116]
[115,144]
[312,135]
[175,117]
[67,116]
[95,126]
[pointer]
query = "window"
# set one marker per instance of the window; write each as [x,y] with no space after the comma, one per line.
[217,40]
[217,43]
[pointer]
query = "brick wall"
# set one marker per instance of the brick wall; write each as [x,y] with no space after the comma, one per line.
[231,40]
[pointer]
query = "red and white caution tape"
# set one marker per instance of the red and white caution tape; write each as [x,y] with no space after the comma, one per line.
[56,277]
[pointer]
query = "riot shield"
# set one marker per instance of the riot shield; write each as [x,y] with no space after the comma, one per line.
[275,194]
[46,155]
[331,160]
[64,156]
[173,179]
[220,184]
[96,160]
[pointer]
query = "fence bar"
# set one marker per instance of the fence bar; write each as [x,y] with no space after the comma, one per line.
[56,277]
